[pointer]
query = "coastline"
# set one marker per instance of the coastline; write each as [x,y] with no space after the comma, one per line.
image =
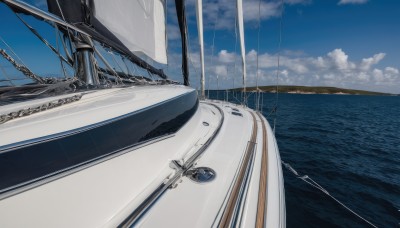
[309,90]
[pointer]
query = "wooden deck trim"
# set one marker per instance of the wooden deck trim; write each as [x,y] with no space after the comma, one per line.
[262,192]
[227,215]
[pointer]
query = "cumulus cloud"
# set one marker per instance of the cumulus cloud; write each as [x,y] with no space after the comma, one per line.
[391,70]
[222,13]
[226,57]
[340,60]
[367,63]
[344,2]
[221,70]
[335,68]
[173,32]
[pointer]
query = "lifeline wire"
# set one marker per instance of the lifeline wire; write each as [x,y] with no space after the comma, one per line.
[212,53]
[258,52]
[314,184]
[304,178]
[279,58]
[234,67]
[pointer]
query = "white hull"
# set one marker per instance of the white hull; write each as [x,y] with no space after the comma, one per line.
[106,192]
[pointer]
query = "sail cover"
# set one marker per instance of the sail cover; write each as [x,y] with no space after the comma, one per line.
[137,25]
[241,37]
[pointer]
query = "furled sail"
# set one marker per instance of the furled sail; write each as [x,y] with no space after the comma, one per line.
[134,25]
[199,14]
[241,37]
[138,24]
[180,11]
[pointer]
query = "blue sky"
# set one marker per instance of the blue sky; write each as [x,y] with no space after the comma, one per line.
[343,43]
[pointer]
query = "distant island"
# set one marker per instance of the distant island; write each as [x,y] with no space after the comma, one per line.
[314,90]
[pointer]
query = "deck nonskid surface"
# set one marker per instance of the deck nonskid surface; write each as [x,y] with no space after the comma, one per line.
[193,204]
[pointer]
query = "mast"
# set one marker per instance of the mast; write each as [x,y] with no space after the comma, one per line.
[199,14]
[85,64]
[240,25]
[180,12]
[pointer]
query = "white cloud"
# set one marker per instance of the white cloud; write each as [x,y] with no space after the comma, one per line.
[226,57]
[335,68]
[340,60]
[344,2]
[366,63]
[221,70]
[391,70]
[267,10]
[222,13]
[173,32]
[378,75]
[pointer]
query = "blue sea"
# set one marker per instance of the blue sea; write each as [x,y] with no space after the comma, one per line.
[348,144]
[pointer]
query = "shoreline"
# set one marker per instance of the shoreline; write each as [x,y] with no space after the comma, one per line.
[309,90]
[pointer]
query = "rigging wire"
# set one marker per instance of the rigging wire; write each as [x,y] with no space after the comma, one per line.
[63,37]
[314,184]
[62,15]
[6,75]
[304,178]
[126,65]
[97,52]
[58,50]
[235,61]
[12,51]
[25,70]
[189,53]
[62,58]
[20,67]
[2,67]
[116,62]
[275,108]
[212,53]
[258,52]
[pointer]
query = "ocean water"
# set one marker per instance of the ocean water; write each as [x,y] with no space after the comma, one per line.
[350,145]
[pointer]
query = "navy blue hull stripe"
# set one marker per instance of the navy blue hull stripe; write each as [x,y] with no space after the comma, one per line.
[26,164]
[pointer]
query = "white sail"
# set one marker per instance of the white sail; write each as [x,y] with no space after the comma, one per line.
[138,24]
[241,37]
[199,14]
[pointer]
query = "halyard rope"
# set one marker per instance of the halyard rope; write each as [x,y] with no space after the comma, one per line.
[314,184]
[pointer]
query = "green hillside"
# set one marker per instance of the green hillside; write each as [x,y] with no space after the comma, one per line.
[314,90]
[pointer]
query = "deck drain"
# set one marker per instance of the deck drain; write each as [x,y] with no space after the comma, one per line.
[206,124]
[201,174]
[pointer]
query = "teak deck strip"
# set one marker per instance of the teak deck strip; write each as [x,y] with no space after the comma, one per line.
[228,212]
[262,192]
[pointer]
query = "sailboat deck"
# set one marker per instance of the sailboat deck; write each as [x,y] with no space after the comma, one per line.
[105,193]
[192,204]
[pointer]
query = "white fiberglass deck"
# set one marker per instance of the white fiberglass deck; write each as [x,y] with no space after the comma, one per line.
[103,195]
